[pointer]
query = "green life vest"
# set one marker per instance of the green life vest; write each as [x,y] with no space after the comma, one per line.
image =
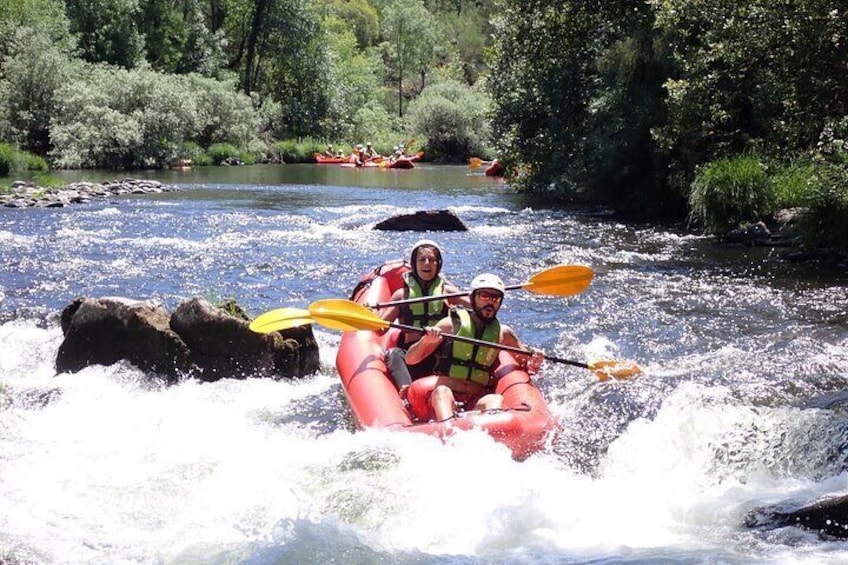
[469,361]
[422,314]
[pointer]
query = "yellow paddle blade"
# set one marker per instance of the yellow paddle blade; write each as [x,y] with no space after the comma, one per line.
[475,162]
[345,315]
[605,370]
[564,280]
[280,319]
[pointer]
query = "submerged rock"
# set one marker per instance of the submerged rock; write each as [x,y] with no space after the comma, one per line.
[199,340]
[828,517]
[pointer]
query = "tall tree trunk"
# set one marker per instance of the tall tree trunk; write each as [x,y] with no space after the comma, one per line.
[400,68]
[256,24]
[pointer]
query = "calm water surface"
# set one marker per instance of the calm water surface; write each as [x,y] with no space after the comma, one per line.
[741,351]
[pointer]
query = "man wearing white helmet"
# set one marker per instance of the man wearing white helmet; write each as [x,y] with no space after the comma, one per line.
[370,152]
[422,280]
[467,370]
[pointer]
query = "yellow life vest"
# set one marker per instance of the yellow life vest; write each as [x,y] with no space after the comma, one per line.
[469,361]
[422,314]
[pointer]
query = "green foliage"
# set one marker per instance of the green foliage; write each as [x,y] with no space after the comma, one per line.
[793,183]
[729,192]
[412,36]
[7,159]
[35,70]
[357,17]
[825,224]
[372,121]
[115,39]
[750,74]
[114,118]
[621,103]
[43,17]
[352,87]
[300,151]
[12,160]
[220,152]
[453,117]
[178,37]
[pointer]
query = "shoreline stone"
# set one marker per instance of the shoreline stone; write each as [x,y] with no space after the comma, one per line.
[26,194]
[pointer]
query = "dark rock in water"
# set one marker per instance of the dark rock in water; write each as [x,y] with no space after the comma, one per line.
[429,220]
[199,340]
[106,330]
[828,517]
[222,345]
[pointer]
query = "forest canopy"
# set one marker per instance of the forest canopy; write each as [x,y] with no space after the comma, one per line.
[656,107]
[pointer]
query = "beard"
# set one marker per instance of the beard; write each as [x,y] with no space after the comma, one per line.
[486,313]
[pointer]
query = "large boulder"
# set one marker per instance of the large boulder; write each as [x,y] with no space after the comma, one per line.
[424,220]
[222,344]
[198,340]
[106,330]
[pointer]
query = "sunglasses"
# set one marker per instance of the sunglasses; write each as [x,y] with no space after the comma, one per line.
[490,296]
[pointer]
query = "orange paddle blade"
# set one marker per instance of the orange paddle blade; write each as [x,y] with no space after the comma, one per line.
[607,369]
[563,280]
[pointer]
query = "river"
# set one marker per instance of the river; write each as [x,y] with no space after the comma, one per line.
[742,355]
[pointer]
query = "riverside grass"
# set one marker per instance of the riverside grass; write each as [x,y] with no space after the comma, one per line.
[729,193]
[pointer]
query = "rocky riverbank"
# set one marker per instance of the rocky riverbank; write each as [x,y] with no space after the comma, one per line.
[28,195]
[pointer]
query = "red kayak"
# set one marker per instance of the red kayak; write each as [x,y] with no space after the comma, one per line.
[524,423]
[324,160]
[494,169]
[405,162]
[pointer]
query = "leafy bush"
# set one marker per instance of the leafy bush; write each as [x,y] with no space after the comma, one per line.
[115,118]
[792,185]
[7,159]
[12,159]
[731,191]
[453,117]
[34,72]
[220,152]
[825,224]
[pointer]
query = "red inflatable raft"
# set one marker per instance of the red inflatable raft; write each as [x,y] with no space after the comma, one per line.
[495,169]
[524,424]
[325,160]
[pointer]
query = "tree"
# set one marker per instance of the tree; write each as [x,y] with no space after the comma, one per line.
[411,34]
[33,72]
[753,74]
[108,30]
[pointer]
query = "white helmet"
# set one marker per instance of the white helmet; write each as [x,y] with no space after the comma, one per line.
[488,281]
[425,243]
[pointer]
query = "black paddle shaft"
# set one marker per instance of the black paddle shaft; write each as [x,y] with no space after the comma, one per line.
[490,344]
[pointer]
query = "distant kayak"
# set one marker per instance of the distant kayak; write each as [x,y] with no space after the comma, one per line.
[324,160]
[405,162]
[494,169]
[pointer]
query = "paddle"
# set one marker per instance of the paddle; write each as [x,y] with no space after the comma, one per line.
[345,315]
[563,280]
[280,319]
[475,162]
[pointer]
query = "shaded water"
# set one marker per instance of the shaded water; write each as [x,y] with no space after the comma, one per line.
[103,466]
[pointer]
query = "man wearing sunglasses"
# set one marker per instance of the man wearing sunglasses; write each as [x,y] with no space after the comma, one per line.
[465,369]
